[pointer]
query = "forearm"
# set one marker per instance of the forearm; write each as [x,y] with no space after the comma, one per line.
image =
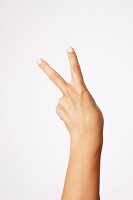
[83,172]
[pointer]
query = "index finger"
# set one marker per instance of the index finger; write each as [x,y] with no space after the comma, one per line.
[53,75]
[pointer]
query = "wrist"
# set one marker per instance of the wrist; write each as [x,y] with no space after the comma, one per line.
[89,144]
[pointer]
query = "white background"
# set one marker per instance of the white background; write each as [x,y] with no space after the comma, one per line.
[34,143]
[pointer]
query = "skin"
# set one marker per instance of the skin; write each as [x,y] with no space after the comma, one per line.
[84,122]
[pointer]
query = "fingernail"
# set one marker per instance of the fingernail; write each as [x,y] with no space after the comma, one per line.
[70,49]
[39,61]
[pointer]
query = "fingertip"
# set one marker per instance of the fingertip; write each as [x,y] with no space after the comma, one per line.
[70,50]
[39,61]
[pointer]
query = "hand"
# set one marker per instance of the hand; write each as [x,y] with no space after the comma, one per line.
[76,107]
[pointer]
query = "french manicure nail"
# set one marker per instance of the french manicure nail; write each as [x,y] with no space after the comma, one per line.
[39,61]
[70,49]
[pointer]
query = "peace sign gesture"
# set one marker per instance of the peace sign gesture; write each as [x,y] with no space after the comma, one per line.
[77,107]
[76,74]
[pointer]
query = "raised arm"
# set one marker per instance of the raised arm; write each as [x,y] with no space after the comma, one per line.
[84,121]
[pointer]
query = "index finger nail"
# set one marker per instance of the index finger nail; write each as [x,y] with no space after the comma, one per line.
[39,61]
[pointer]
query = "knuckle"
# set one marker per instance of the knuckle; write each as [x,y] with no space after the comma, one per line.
[60,101]
[54,76]
[57,109]
[76,67]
